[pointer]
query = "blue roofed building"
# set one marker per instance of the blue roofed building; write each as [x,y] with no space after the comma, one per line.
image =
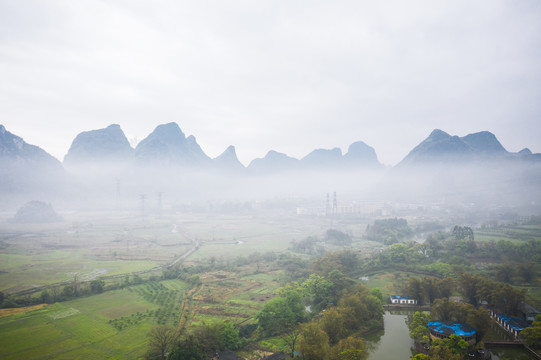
[444,329]
[512,324]
[403,300]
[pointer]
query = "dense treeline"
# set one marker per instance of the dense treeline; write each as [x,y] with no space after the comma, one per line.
[388,231]
[313,245]
[294,266]
[203,341]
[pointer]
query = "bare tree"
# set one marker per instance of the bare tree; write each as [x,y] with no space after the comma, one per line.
[160,341]
[290,339]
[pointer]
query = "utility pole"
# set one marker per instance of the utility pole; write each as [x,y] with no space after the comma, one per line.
[328,206]
[334,205]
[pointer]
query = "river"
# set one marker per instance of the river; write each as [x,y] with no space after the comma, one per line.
[394,342]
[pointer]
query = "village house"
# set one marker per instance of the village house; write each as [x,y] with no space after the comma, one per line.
[513,325]
[403,300]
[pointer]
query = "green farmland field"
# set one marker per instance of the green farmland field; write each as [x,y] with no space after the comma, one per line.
[84,328]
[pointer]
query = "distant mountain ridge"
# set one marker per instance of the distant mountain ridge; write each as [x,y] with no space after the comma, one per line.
[25,167]
[168,146]
[228,160]
[108,144]
[103,167]
[440,147]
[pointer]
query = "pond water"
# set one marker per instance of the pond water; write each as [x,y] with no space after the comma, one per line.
[500,353]
[394,342]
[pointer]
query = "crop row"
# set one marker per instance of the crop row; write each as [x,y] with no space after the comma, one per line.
[154,292]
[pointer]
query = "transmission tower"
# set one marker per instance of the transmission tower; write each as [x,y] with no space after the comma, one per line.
[328,206]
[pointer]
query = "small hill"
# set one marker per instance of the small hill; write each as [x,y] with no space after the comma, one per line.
[360,154]
[36,212]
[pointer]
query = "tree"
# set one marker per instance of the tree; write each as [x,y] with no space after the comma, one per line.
[209,337]
[319,289]
[418,325]
[337,237]
[430,288]
[480,320]
[462,232]
[188,349]
[97,285]
[445,287]
[229,336]
[333,323]
[340,282]
[414,289]
[75,285]
[505,272]
[377,293]
[506,298]
[451,348]
[350,348]
[281,313]
[54,293]
[45,297]
[290,339]
[527,271]
[313,342]
[470,285]
[68,291]
[532,335]
[160,341]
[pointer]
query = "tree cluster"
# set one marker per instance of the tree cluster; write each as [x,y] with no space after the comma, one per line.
[203,341]
[429,288]
[388,231]
[333,334]
[337,237]
[532,335]
[502,297]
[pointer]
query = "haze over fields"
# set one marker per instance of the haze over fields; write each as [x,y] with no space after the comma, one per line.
[102,170]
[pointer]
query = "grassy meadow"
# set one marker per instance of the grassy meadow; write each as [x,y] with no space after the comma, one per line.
[114,324]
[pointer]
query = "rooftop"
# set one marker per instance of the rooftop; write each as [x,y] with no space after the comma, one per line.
[401,297]
[449,328]
[516,323]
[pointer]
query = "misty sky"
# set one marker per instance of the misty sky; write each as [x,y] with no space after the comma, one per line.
[290,76]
